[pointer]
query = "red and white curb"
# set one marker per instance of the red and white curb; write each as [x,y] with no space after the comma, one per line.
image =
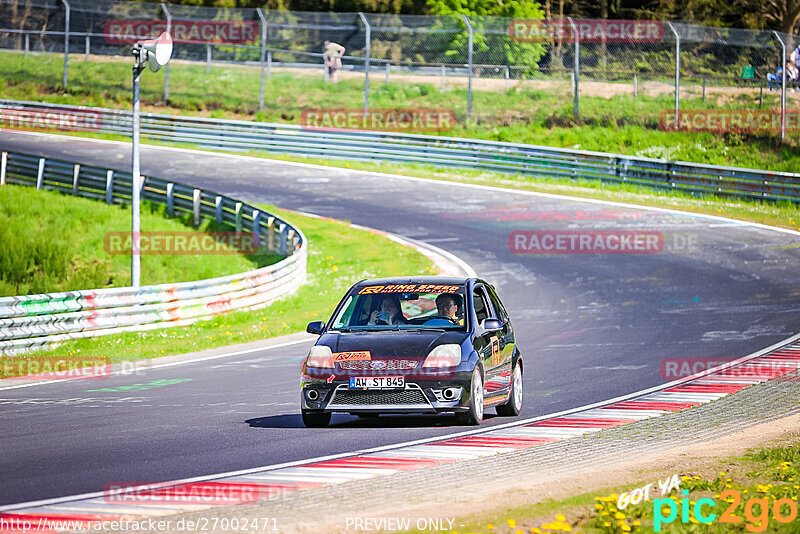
[267,482]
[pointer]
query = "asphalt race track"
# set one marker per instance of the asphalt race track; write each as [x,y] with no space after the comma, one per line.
[591,326]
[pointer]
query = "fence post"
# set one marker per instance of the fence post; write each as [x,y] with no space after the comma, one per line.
[507,76]
[576,68]
[27,44]
[783,84]
[3,164]
[170,199]
[66,42]
[635,85]
[109,187]
[469,65]
[677,73]
[196,206]
[269,65]
[76,171]
[444,79]
[388,68]
[208,58]
[40,174]
[367,51]
[256,228]
[238,217]
[218,209]
[88,46]
[166,72]
[263,52]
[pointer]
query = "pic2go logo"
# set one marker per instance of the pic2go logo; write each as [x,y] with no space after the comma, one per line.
[756,511]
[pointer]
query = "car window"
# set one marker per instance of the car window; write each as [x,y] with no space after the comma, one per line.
[393,310]
[498,306]
[482,308]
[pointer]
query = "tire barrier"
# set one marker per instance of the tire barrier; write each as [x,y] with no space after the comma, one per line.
[360,145]
[35,321]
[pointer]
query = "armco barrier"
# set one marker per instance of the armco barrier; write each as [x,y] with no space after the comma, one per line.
[33,321]
[358,145]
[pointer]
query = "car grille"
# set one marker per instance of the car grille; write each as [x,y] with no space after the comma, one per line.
[385,365]
[345,397]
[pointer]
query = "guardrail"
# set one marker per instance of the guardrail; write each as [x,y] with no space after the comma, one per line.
[32,321]
[530,160]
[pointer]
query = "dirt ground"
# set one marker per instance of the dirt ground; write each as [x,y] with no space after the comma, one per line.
[470,502]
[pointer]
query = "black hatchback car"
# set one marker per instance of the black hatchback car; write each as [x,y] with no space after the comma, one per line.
[413,345]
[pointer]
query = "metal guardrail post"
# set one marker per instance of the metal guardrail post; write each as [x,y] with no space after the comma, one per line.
[109,187]
[170,199]
[218,209]
[469,65]
[677,73]
[76,172]
[256,223]
[40,174]
[576,67]
[263,53]
[169,31]
[88,46]
[238,217]
[3,164]
[783,84]
[367,52]
[66,42]
[196,206]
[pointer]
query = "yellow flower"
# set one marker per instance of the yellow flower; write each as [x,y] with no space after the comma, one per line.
[637,523]
[490,526]
[606,524]
[619,515]
[625,527]
[511,523]
[536,530]
[561,517]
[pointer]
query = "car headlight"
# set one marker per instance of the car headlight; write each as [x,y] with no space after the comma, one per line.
[443,356]
[320,356]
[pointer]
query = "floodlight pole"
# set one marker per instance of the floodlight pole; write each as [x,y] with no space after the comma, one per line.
[138,67]
[783,84]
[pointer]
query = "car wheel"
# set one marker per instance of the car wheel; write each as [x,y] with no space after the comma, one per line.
[514,404]
[474,415]
[316,420]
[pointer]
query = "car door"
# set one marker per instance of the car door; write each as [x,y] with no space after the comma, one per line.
[505,336]
[487,345]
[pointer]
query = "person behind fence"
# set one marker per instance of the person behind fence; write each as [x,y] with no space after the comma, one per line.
[333,59]
[775,78]
[792,75]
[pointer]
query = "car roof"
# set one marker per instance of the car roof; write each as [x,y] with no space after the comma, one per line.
[417,280]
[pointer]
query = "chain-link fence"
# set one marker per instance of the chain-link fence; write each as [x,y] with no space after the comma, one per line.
[572,59]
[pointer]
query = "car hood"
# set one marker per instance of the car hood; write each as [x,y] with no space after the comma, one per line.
[390,344]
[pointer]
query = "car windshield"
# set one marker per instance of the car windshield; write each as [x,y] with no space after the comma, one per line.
[391,307]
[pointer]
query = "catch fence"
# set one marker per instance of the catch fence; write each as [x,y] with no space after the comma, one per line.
[571,57]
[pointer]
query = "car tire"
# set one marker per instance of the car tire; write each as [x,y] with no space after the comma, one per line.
[316,420]
[514,404]
[474,415]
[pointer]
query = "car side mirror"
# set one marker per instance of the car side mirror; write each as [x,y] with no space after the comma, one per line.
[315,327]
[491,324]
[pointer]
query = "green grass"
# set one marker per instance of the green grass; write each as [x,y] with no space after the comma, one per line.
[767,473]
[338,257]
[621,124]
[55,242]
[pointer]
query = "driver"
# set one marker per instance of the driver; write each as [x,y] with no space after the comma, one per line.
[447,304]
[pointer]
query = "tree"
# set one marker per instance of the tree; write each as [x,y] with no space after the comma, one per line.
[491,42]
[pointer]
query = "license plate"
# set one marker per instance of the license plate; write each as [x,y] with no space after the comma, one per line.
[377,382]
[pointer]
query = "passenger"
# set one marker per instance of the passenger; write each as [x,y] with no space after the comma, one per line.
[389,313]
